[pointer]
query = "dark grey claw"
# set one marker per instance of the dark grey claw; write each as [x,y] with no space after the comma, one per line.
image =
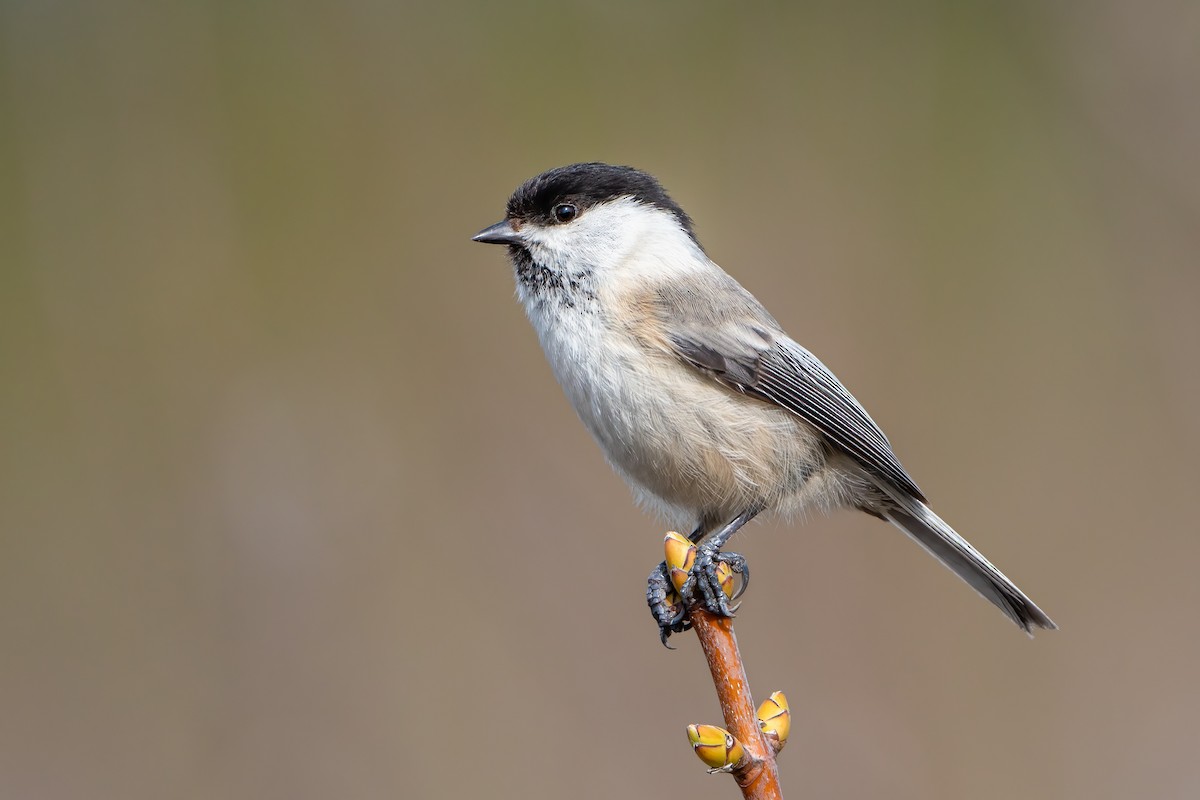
[670,618]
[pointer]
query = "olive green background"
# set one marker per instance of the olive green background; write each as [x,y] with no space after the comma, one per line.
[291,506]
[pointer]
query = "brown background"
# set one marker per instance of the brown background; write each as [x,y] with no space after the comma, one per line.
[292,508]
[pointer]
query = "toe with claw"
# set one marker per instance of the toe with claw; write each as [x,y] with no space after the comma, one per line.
[705,576]
[665,604]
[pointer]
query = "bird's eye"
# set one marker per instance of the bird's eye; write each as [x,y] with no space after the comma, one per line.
[565,212]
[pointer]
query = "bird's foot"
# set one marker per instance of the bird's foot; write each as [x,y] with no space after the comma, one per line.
[703,577]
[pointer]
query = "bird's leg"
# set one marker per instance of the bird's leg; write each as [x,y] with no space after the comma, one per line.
[704,573]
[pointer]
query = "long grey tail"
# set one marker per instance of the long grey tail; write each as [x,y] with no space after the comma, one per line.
[932,533]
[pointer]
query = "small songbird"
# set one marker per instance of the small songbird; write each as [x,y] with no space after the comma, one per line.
[698,398]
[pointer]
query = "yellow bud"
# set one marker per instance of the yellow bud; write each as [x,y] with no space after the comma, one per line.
[681,555]
[775,720]
[716,747]
[725,576]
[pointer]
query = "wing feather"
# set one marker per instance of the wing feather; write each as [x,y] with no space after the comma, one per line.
[794,378]
[758,359]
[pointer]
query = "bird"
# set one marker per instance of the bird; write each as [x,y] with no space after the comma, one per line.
[697,396]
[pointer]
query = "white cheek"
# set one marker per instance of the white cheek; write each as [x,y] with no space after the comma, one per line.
[617,241]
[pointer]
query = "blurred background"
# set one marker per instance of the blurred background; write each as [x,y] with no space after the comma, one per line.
[291,506]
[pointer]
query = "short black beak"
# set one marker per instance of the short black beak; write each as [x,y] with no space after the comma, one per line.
[500,233]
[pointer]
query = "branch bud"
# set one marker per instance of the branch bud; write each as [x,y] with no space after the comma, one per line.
[716,747]
[775,720]
[681,555]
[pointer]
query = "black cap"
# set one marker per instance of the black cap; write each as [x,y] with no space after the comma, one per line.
[585,185]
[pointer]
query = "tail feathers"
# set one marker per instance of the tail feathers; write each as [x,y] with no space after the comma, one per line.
[929,531]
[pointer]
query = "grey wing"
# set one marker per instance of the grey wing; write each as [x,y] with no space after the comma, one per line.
[763,363]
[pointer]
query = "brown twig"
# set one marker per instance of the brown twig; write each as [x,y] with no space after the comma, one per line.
[757,775]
